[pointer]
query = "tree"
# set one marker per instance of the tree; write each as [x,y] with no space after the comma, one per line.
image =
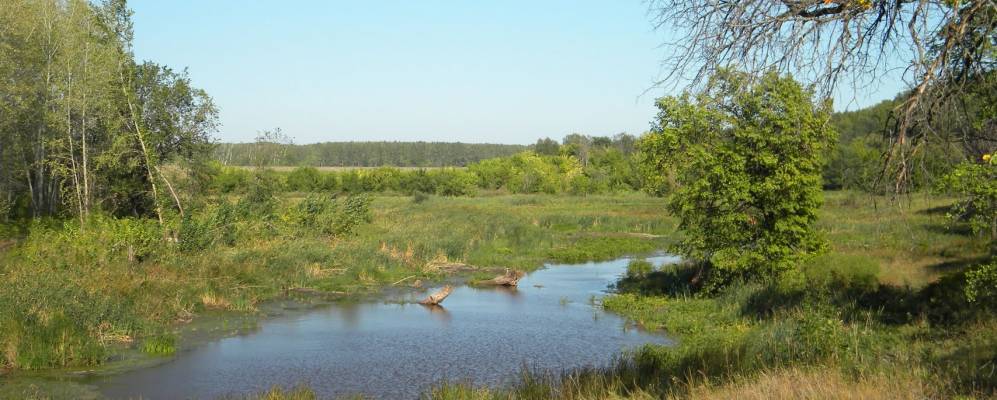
[950,45]
[977,183]
[547,147]
[82,125]
[746,155]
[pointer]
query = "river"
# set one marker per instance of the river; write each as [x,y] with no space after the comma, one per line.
[391,349]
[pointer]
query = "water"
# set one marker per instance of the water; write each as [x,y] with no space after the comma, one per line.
[389,350]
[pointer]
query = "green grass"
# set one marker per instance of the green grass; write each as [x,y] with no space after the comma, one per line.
[74,297]
[882,315]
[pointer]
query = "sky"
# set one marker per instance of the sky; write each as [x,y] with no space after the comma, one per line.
[432,70]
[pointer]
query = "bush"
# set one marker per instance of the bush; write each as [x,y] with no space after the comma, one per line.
[639,268]
[231,180]
[747,156]
[328,216]
[981,285]
[304,179]
[261,194]
[977,182]
[454,182]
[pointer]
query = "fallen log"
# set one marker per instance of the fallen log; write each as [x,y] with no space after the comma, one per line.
[510,278]
[437,298]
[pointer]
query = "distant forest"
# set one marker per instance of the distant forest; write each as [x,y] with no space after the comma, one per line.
[369,154]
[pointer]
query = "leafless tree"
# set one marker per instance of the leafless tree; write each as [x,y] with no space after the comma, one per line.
[942,47]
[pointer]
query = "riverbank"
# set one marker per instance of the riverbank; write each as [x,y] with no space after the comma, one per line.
[882,315]
[86,299]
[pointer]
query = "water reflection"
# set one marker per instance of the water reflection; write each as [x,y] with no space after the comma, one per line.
[391,350]
[437,311]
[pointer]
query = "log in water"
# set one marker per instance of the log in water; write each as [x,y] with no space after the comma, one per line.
[391,350]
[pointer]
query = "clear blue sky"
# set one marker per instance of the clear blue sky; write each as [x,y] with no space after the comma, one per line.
[434,70]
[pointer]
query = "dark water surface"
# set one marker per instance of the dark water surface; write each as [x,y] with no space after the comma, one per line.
[388,350]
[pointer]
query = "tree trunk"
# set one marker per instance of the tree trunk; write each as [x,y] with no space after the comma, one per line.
[145,150]
[72,151]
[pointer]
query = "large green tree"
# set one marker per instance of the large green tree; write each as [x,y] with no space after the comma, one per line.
[83,127]
[745,156]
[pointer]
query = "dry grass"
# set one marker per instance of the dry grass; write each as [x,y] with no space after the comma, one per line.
[214,301]
[824,383]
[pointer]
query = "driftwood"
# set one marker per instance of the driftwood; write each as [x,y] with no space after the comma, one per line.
[437,298]
[510,278]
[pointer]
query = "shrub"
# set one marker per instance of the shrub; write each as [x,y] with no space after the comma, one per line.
[260,199]
[977,182]
[229,180]
[304,179]
[639,268]
[454,182]
[419,197]
[981,284]
[747,157]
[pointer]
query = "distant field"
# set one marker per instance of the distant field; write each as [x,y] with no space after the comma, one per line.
[288,168]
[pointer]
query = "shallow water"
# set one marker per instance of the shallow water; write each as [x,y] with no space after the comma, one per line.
[390,350]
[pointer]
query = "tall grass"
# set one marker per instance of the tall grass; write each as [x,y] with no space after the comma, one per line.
[75,293]
[883,315]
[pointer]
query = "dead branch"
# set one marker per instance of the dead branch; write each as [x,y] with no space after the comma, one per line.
[438,297]
[510,278]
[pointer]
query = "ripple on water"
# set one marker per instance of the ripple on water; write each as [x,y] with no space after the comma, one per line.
[396,350]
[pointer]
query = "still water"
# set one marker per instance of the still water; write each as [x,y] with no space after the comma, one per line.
[392,350]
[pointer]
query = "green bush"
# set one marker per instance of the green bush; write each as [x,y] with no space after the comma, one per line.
[454,182]
[746,155]
[230,180]
[304,179]
[639,268]
[977,183]
[981,284]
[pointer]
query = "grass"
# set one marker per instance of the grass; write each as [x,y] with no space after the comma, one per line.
[882,315]
[78,295]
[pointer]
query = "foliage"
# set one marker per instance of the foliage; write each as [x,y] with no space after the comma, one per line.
[977,183]
[981,284]
[370,154]
[747,159]
[85,127]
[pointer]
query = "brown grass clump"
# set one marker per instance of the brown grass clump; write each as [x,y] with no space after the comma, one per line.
[214,301]
[817,384]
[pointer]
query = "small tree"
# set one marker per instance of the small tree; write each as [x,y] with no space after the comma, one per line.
[977,183]
[746,157]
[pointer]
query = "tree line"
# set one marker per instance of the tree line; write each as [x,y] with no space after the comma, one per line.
[368,154]
[579,164]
